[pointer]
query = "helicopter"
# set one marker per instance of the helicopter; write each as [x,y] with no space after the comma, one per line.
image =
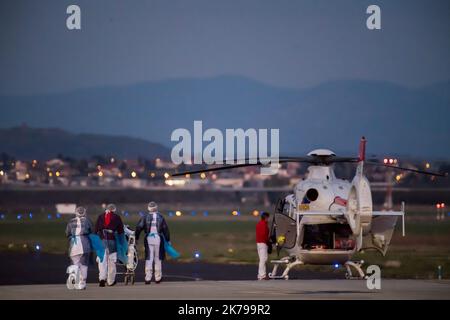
[327,220]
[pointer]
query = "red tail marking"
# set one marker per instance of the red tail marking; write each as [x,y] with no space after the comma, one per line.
[362,149]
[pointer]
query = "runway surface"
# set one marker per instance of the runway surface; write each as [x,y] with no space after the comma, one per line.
[238,290]
[51,269]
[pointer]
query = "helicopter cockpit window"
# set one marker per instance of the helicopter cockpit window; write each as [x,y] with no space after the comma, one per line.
[286,209]
[283,207]
[280,206]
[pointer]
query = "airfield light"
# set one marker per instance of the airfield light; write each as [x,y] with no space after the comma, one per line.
[205,213]
[427,165]
[57,173]
[391,161]
[255,213]
[1,173]
[152,174]
[2,216]
[133,174]
[170,214]
[203,175]
[27,176]
[197,255]
[37,247]
[100,174]
[178,213]
[166,175]
[58,216]
[30,215]
[442,205]
[19,216]
[398,177]
[49,216]
[438,206]
[193,213]
[112,160]
[119,174]
[235,213]
[50,174]
[336,265]
[385,161]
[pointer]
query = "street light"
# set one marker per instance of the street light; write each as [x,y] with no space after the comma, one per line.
[440,211]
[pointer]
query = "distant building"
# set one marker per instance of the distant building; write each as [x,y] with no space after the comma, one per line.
[21,171]
[133,183]
[229,182]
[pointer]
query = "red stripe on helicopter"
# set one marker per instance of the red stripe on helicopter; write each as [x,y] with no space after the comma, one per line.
[340,201]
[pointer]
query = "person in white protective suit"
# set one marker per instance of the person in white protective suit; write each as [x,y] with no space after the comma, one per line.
[156,232]
[108,225]
[77,231]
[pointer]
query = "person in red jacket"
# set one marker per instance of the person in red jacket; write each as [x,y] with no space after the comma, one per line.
[262,240]
[108,224]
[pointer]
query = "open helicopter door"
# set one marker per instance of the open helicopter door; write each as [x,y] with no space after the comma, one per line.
[382,229]
[284,229]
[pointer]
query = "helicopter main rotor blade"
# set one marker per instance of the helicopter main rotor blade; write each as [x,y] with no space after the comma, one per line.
[225,167]
[324,160]
[436,174]
[321,159]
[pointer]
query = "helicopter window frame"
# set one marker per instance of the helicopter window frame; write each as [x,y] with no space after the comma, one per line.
[287,209]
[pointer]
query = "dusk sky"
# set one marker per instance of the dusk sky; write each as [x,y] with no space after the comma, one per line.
[285,43]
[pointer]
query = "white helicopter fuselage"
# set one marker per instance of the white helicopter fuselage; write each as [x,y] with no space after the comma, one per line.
[327,188]
[327,220]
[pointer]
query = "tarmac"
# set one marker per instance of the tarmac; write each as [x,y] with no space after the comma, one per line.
[391,289]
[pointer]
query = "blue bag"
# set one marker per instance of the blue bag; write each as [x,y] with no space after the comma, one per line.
[122,247]
[97,245]
[170,250]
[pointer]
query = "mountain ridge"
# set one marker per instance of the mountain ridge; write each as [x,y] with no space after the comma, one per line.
[395,119]
[26,143]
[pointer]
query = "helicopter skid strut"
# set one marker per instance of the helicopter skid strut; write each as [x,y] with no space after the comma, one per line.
[357,266]
[289,263]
